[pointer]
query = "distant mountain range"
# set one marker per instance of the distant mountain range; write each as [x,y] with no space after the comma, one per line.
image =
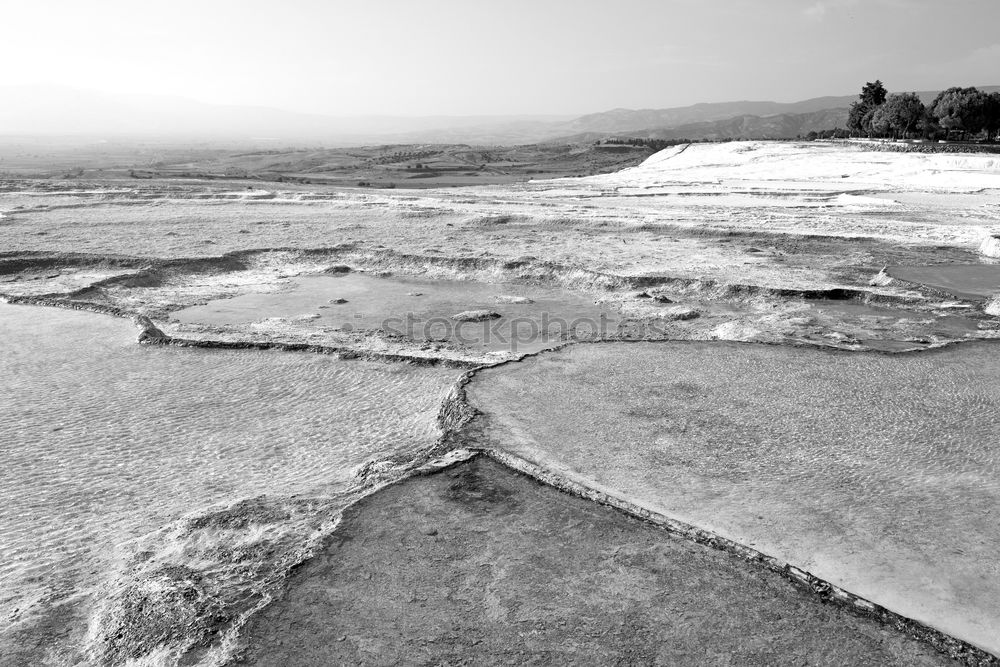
[745,126]
[747,120]
[47,112]
[629,120]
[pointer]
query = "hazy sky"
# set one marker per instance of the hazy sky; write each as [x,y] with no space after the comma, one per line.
[458,57]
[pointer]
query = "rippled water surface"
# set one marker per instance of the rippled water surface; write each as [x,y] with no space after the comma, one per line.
[532,318]
[103,441]
[878,472]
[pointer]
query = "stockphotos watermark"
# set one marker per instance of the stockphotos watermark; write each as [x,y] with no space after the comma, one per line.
[493,332]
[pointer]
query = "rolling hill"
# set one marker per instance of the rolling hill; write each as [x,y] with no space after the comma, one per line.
[745,126]
[750,120]
[618,121]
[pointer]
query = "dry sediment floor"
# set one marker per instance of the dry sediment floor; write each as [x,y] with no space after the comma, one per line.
[480,565]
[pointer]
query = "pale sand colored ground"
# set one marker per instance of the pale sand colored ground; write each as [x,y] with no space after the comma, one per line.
[765,240]
[567,220]
[786,216]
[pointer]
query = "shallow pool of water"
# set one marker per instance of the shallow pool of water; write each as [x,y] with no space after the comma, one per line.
[965,281]
[882,327]
[104,441]
[880,473]
[532,318]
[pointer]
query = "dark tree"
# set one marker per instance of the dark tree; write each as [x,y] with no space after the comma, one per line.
[991,115]
[899,115]
[856,117]
[873,93]
[859,117]
[960,109]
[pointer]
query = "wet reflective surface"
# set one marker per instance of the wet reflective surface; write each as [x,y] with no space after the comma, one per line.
[877,472]
[492,568]
[531,318]
[104,441]
[965,281]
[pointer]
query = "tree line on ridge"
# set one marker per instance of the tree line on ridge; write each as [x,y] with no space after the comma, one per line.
[956,113]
